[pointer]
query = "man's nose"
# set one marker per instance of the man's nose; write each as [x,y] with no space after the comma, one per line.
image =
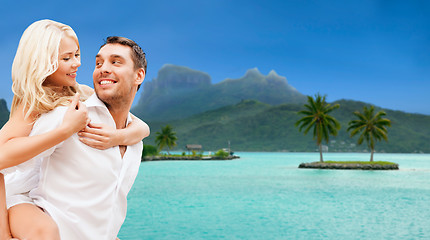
[105,68]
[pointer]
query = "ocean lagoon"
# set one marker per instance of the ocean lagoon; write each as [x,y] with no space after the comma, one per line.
[266,196]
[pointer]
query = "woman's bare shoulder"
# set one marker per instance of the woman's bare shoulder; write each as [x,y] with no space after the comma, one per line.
[86,90]
[17,126]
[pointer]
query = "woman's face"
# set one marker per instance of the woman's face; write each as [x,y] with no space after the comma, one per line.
[69,60]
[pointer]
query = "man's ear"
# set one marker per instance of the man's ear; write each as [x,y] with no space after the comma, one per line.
[140,75]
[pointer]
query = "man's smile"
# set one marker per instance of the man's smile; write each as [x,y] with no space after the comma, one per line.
[105,82]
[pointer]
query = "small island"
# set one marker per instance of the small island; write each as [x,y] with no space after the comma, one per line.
[187,158]
[166,138]
[352,165]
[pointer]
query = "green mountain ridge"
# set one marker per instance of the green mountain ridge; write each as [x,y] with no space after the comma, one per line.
[254,126]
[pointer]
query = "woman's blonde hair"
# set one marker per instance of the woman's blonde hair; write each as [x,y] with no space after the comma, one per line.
[36,58]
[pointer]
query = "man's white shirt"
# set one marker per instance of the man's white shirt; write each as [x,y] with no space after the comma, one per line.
[84,189]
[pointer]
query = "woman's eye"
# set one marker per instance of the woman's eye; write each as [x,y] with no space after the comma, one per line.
[77,55]
[66,59]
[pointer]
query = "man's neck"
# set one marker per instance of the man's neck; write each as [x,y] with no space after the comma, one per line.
[120,117]
[119,111]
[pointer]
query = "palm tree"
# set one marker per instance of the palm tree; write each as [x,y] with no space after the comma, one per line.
[317,117]
[166,138]
[372,127]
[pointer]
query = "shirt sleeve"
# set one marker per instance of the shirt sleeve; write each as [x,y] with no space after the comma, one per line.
[46,122]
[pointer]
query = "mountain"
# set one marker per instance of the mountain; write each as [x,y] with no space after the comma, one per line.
[255,113]
[178,92]
[4,112]
[255,126]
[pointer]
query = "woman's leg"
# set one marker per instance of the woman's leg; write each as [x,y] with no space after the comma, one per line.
[4,220]
[27,221]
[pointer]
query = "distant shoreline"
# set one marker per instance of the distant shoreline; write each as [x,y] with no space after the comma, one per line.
[186,158]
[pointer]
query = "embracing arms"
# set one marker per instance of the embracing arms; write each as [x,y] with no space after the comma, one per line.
[102,136]
[17,147]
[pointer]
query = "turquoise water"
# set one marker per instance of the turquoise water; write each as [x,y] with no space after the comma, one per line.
[265,196]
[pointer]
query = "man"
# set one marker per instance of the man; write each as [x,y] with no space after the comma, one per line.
[82,188]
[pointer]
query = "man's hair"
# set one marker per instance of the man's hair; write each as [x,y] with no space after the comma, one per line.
[138,55]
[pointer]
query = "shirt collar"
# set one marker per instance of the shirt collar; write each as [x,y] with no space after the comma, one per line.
[94,101]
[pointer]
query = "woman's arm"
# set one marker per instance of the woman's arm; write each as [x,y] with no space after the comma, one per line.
[101,136]
[17,147]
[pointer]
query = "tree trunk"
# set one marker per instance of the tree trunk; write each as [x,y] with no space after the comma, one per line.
[371,154]
[321,156]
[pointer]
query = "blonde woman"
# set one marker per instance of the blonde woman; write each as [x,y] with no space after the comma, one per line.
[44,77]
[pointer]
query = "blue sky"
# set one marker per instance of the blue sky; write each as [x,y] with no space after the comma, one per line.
[373,51]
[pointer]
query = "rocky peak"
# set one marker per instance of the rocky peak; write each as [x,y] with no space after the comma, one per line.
[172,76]
[253,72]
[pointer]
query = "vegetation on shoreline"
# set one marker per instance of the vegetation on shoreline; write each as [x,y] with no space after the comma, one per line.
[167,138]
[156,156]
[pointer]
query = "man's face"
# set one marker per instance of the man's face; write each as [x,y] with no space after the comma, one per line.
[115,79]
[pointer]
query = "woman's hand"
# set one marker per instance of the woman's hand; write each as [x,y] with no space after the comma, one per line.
[76,117]
[99,136]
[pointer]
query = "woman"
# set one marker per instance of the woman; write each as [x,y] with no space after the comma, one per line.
[44,77]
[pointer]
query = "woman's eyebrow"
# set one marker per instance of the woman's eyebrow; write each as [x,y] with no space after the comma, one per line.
[67,53]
